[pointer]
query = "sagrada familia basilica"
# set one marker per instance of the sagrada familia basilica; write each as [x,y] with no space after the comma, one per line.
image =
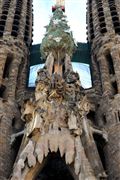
[59,130]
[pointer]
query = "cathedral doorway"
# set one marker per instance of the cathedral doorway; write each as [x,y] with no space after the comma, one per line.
[55,168]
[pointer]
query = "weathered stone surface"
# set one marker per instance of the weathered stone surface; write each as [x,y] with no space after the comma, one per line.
[15,38]
[61,115]
[104,36]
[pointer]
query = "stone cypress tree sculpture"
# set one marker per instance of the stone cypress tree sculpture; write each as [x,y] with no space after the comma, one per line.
[58,37]
[58,42]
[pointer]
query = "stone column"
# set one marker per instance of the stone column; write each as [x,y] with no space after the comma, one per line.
[6,151]
[10,17]
[105,77]
[1,1]
[96,75]
[112,152]
[108,18]
[96,21]
[22,20]
[22,79]
[3,57]
[12,83]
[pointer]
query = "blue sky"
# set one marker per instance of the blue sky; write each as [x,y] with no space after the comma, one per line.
[76,16]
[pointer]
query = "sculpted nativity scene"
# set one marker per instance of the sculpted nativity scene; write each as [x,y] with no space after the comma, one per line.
[57,120]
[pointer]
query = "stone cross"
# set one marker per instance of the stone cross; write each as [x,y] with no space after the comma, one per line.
[60,2]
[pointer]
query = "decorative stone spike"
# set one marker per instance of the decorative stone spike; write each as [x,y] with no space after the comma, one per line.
[53,140]
[50,63]
[70,149]
[39,150]
[17,171]
[72,122]
[62,144]
[31,158]
[46,145]
[77,162]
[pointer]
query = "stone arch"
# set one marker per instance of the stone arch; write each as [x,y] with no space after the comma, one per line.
[53,162]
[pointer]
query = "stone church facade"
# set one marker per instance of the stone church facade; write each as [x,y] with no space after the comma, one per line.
[59,118]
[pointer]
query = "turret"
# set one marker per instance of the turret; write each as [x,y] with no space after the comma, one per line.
[104,36]
[103,20]
[15,41]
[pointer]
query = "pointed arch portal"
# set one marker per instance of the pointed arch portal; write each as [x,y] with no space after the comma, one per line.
[55,168]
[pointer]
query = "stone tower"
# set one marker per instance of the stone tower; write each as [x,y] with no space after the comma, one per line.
[103,19]
[15,40]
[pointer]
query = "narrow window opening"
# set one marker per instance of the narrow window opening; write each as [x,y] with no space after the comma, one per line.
[100,143]
[115,18]
[2,28]
[102,19]
[102,25]
[114,13]
[100,14]
[103,30]
[2,90]
[53,70]
[117,30]
[119,115]
[115,88]
[110,64]
[63,70]
[13,122]
[100,9]
[7,67]
[2,22]
[116,24]
[104,119]
[3,17]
